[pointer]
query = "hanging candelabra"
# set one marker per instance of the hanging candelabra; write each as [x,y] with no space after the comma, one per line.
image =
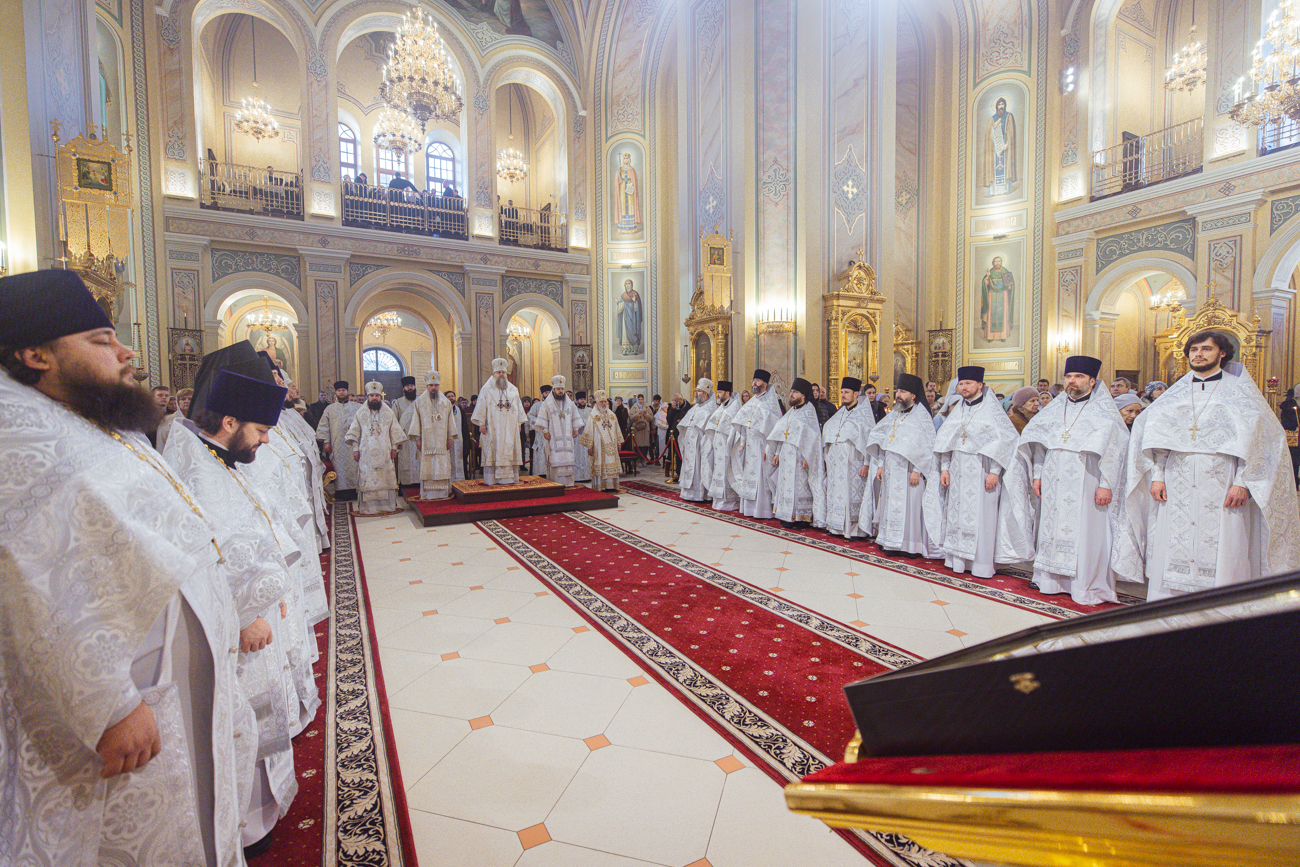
[1190,63]
[1274,95]
[418,77]
[511,166]
[382,323]
[268,320]
[396,131]
[254,117]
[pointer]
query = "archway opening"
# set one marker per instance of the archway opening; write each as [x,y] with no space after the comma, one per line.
[532,349]
[266,320]
[1138,308]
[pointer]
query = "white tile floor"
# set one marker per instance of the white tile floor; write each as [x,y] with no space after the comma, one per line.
[526,738]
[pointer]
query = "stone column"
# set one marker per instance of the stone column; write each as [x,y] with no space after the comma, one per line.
[320,362]
[1074,270]
[484,297]
[1225,237]
[1099,340]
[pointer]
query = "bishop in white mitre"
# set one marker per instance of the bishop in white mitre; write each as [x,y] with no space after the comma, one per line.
[582,460]
[837,503]
[432,426]
[696,445]
[1211,499]
[374,438]
[749,461]
[559,425]
[975,446]
[408,457]
[332,430]
[719,429]
[498,415]
[904,508]
[230,418]
[600,438]
[1063,506]
[125,735]
[538,466]
[795,444]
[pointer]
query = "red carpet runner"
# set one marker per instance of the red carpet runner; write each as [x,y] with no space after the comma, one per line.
[765,673]
[1009,585]
[351,804]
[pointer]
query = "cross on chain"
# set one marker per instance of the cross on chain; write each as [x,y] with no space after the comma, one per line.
[1194,428]
[1065,436]
[502,404]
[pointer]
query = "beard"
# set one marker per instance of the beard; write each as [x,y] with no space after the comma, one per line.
[409,392]
[243,448]
[1074,391]
[112,404]
[798,400]
[375,402]
[1203,366]
[900,403]
[759,389]
[499,383]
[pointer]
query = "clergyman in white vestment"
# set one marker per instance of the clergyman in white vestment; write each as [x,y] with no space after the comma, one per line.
[696,445]
[1060,509]
[905,473]
[141,656]
[1211,499]
[498,413]
[408,458]
[433,427]
[975,445]
[559,425]
[374,438]
[538,466]
[581,459]
[749,460]
[837,505]
[795,444]
[601,437]
[331,430]
[720,430]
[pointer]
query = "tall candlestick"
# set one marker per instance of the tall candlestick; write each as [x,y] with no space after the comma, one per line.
[87,207]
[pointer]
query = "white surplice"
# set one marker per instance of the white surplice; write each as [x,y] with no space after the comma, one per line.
[602,435]
[905,516]
[1073,448]
[697,451]
[837,506]
[304,439]
[375,433]
[408,458]
[795,440]
[433,424]
[458,445]
[501,411]
[333,427]
[582,460]
[561,419]
[258,579]
[1192,541]
[977,439]
[749,465]
[539,466]
[719,427]
[147,618]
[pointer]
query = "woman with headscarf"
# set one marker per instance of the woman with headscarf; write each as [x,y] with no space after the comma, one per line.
[1024,406]
[1129,406]
[1152,391]
[1289,412]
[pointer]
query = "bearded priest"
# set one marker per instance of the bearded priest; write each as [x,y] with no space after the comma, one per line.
[538,466]
[1061,510]
[905,513]
[719,428]
[696,445]
[749,460]
[433,427]
[795,444]
[374,439]
[1211,498]
[601,436]
[582,460]
[331,430]
[408,456]
[559,424]
[837,504]
[974,446]
[498,415]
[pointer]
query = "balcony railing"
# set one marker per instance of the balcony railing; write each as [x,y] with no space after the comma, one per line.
[529,227]
[410,211]
[1278,136]
[261,190]
[1141,161]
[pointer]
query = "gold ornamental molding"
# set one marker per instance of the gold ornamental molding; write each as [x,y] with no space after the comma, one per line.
[1250,338]
[708,325]
[852,311]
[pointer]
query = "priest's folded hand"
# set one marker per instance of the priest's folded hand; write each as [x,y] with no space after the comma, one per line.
[1237,496]
[914,479]
[1038,488]
[356,456]
[1102,497]
[945,479]
[255,636]
[991,481]
[805,465]
[130,744]
[862,473]
[1158,492]
[547,435]
[392,454]
[776,460]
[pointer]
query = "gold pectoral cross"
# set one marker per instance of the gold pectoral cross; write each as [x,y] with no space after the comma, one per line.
[963,437]
[1065,436]
[786,435]
[1194,428]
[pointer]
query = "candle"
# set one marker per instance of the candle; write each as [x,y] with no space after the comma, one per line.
[87,207]
[64,207]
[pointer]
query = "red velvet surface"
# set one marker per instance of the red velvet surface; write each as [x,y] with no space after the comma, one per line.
[577,497]
[1240,770]
[1010,584]
[789,671]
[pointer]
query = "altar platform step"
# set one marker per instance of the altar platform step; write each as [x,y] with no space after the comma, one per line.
[479,502]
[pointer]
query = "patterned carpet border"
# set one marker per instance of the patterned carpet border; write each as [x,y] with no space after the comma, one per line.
[1038,606]
[785,756]
[366,822]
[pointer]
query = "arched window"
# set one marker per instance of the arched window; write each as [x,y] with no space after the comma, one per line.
[380,361]
[389,163]
[440,165]
[349,165]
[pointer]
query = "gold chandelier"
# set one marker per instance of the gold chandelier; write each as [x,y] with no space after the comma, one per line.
[511,166]
[254,118]
[1190,63]
[267,321]
[418,78]
[382,323]
[519,332]
[1275,92]
[396,131]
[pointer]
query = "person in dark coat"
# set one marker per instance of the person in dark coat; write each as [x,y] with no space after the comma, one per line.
[1289,412]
